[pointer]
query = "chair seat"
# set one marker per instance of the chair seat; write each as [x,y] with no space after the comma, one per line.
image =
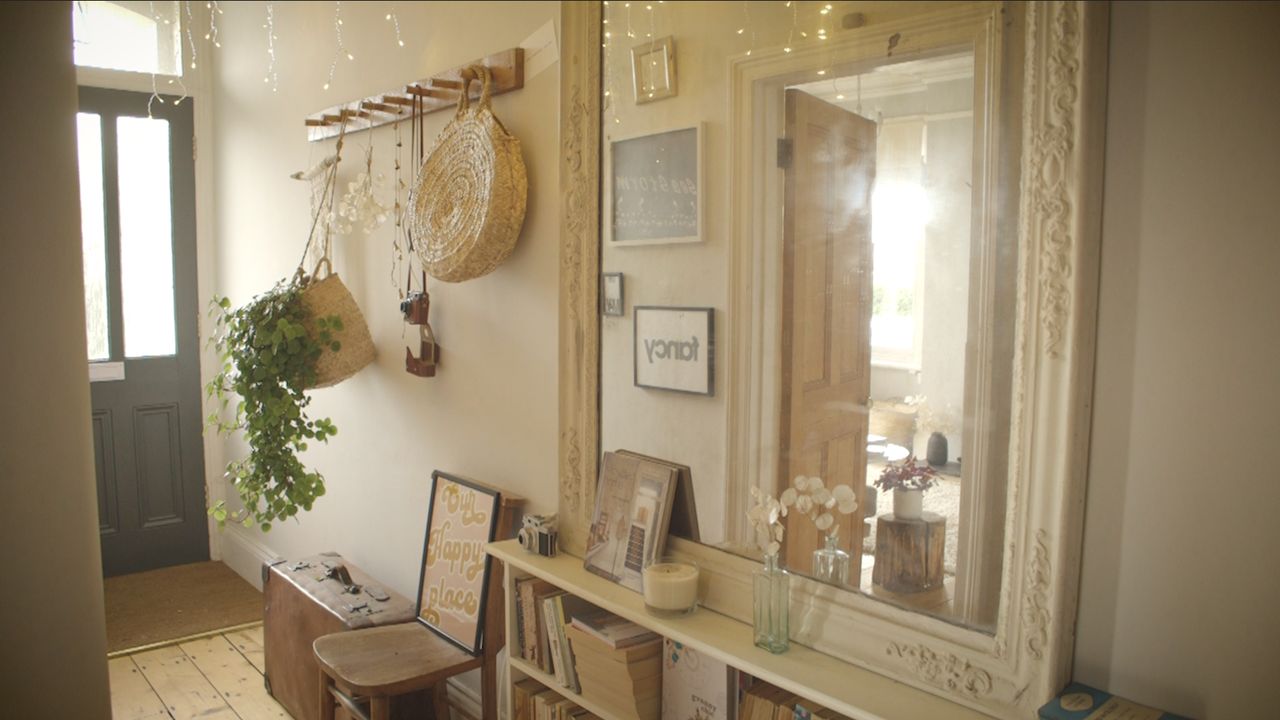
[390,660]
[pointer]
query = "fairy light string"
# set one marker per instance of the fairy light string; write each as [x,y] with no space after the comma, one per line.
[214,11]
[395,20]
[191,40]
[272,77]
[340,49]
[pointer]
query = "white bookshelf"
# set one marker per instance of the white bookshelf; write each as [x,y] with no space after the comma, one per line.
[834,683]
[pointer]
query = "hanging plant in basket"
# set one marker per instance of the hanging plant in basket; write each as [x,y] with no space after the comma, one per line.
[305,333]
[268,358]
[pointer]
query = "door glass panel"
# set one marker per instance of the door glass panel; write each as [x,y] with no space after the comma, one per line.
[144,38]
[146,247]
[93,237]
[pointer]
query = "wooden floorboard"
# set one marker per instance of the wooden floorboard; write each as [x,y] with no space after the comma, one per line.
[180,685]
[249,643]
[131,695]
[236,680]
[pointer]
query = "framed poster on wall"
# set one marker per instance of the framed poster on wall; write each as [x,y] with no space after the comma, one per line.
[655,189]
[675,349]
[461,519]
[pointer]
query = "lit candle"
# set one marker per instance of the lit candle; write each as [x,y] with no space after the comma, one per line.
[671,588]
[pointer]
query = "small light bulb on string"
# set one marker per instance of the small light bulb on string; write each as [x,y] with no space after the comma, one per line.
[395,20]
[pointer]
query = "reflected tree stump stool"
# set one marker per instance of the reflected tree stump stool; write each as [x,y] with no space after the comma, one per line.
[909,553]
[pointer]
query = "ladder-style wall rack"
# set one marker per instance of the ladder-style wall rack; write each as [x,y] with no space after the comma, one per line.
[438,92]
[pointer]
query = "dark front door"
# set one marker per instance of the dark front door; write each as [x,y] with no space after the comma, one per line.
[137,194]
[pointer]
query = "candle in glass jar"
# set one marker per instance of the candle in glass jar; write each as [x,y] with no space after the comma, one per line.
[671,587]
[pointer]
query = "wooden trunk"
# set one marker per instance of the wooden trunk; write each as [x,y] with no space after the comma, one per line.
[301,604]
[909,553]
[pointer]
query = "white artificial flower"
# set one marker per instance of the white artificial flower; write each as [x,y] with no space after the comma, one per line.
[804,503]
[822,497]
[802,483]
[823,521]
[788,497]
[846,501]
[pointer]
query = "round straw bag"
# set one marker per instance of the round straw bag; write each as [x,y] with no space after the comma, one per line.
[327,296]
[468,204]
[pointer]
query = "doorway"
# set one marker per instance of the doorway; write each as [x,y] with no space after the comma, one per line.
[137,194]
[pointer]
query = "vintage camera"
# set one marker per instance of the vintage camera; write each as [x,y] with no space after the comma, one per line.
[415,307]
[539,534]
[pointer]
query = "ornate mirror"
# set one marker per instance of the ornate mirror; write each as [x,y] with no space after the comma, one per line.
[856,235]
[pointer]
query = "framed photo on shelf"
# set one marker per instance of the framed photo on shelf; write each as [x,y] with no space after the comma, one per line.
[654,189]
[461,519]
[675,349]
[611,295]
[653,69]
[631,518]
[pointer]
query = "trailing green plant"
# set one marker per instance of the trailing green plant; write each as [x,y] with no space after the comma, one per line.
[268,358]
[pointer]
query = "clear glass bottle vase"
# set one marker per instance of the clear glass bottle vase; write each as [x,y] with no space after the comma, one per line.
[772,585]
[830,563]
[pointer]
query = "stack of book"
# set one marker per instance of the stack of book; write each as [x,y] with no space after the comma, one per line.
[619,664]
[534,701]
[767,702]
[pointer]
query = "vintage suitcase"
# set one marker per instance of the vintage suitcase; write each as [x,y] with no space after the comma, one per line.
[316,596]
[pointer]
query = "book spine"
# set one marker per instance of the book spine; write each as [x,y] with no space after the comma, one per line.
[529,647]
[519,613]
[566,650]
[553,638]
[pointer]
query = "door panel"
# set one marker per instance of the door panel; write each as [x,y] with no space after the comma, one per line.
[157,449]
[147,426]
[826,303]
[105,471]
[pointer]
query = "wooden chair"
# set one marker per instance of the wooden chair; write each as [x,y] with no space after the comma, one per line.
[390,669]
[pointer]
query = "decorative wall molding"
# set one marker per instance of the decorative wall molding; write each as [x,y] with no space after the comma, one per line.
[579,268]
[1051,120]
[949,672]
[1060,48]
[1035,614]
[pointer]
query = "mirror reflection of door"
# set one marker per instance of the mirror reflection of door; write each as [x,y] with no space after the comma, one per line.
[828,158]
[137,194]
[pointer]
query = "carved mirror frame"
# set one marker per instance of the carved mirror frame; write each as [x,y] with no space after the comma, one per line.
[1028,658]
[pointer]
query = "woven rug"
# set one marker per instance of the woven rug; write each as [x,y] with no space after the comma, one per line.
[164,605]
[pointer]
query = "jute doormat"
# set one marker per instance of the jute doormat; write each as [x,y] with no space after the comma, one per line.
[164,605]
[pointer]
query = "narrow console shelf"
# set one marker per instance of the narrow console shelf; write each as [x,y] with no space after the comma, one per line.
[840,686]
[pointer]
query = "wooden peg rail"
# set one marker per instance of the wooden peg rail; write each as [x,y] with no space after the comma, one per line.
[438,92]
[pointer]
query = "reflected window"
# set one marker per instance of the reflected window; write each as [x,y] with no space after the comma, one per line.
[899,213]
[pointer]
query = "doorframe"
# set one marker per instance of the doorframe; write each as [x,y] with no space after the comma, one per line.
[199,85]
[757,116]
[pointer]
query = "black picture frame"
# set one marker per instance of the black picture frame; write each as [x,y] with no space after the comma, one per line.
[708,332]
[473,644]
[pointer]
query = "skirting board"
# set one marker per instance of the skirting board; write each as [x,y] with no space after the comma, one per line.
[245,555]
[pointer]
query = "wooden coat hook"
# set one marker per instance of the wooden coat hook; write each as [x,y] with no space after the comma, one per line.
[438,92]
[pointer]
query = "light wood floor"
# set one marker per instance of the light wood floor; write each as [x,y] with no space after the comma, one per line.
[218,677]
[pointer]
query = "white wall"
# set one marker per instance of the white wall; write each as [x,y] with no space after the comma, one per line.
[490,413]
[1181,580]
[53,621]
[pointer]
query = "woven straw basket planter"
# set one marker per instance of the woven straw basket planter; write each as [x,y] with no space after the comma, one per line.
[330,296]
[468,204]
